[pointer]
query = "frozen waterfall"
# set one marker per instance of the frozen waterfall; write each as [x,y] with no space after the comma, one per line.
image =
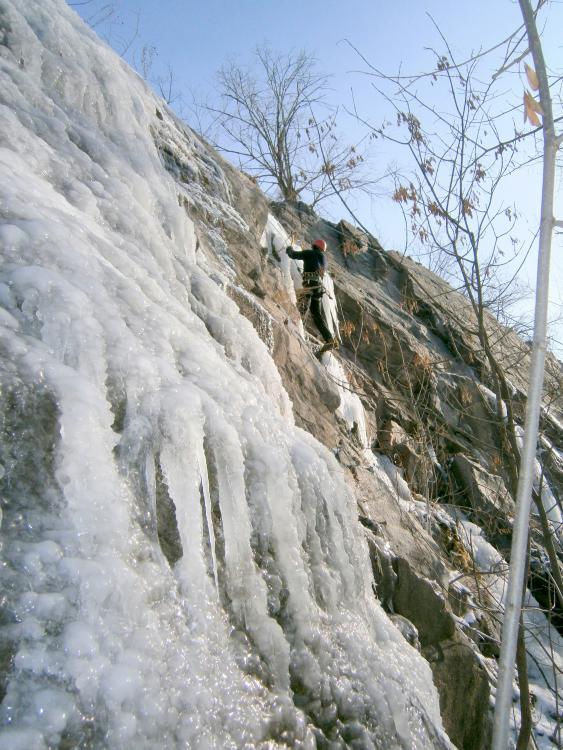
[182,567]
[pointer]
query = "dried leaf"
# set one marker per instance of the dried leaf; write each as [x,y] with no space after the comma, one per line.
[401,195]
[533,104]
[531,110]
[532,77]
[537,106]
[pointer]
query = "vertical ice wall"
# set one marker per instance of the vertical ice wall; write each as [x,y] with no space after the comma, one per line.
[181,565]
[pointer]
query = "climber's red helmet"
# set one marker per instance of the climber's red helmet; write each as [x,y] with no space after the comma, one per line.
[321,244]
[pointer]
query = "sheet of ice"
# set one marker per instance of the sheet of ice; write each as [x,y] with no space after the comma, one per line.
[276,240]
[182,566]
[549,501]
[394,479]
[350,409]
[491,398]
[541,486]
[329,306]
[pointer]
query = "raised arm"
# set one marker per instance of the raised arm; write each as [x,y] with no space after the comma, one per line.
[297,254]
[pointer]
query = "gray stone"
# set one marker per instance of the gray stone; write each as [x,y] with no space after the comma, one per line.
[421,602]
[464,692]
[167,525]
[352,239]
[382,566]
[314,396]
[486,495]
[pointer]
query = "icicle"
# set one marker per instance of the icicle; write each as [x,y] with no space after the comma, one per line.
[245,585]
[202,466]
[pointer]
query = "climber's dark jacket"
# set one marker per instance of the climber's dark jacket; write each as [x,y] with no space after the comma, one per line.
[314,266]
[314,261]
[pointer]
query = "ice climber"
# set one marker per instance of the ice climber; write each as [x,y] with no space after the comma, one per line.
[314,267]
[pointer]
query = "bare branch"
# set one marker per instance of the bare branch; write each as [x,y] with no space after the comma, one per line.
[511,63]
[275,119]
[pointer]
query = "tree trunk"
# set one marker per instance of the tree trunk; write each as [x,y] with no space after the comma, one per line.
[533,406]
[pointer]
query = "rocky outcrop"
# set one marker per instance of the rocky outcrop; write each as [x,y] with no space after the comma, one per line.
[424,611]
[314,396]
[488,500]
[464,690]
[411,355]
[461,680]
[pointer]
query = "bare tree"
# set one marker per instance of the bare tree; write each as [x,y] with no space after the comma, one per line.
[276,121]
[165,85]
[538,80]
[144,59]
[453,201]
[95,13]
[168,89]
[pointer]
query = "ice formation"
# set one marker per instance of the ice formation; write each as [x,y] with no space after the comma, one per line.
[131,383]
[543,489]
[275,239]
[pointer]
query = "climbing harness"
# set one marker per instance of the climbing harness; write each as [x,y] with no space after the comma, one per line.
[311,276]
[308,287]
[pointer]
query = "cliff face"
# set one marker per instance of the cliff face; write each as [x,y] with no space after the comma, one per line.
[412,354]
[181,477]
[407,407]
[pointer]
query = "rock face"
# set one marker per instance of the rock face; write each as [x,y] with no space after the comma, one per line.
[411,354]
[463,682]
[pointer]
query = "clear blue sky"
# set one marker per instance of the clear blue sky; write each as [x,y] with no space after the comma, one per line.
[195,37]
